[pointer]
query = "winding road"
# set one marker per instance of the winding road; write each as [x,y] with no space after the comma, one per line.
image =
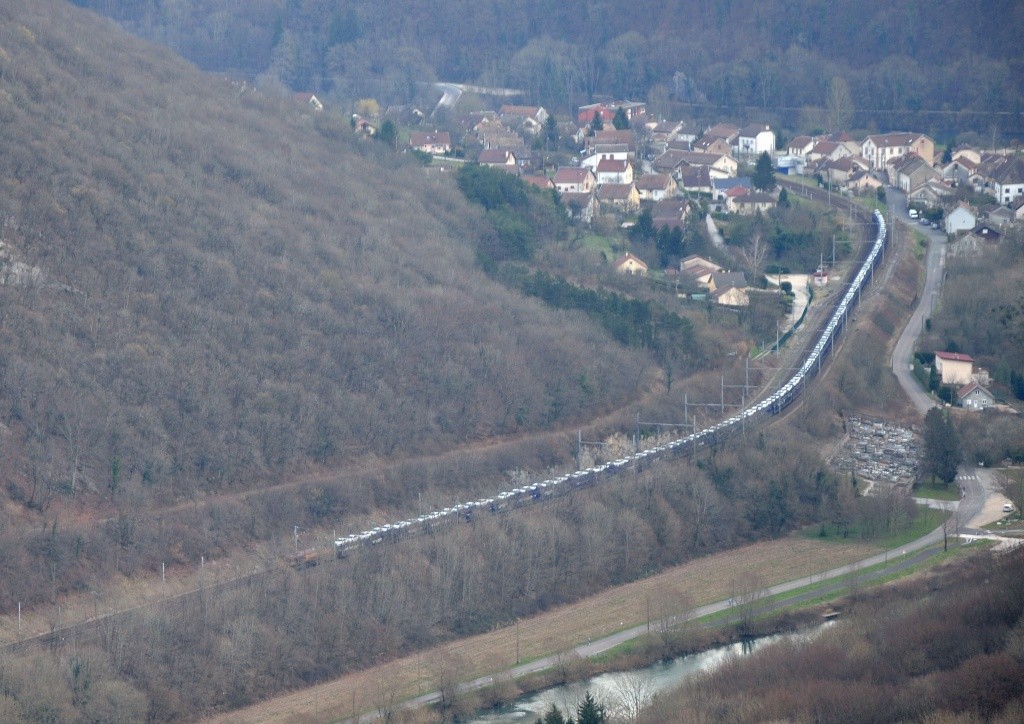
[934,265]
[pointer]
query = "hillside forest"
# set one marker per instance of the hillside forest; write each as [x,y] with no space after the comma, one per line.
[942,68]
[225,318]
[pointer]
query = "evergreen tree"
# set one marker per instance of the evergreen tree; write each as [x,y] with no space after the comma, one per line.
[621,122]
[590,712]
[942,453]
[597,124]
[551,130]
[764,174]
[554,716]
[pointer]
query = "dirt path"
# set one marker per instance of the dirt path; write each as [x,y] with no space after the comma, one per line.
[673,592]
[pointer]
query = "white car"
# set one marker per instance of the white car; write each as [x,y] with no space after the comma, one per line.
[1008,507]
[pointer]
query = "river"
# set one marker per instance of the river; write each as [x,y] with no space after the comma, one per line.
[620,691]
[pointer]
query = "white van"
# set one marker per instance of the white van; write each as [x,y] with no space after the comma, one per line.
[913,213]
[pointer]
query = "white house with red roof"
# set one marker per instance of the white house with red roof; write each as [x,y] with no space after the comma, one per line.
[574,179]
[613,171]
[432,142]
[954,368]
[631,264]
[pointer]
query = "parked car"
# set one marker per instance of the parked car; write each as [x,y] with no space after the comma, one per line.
[1007,507]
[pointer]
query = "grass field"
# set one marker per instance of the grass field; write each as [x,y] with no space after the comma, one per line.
[700,582]
[926,521]
[937,492]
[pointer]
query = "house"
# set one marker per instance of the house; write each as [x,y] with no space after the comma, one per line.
[693,262]
[1017,207]
[985,233]
[670,212]
[719,165]
[432,142]
[998,216]
[838,172]
[656,186]
[958,171]
[731,296]
[974,397]
[933,193]
[1007,179]
[610,171]
[723,279]
[310,100]
[500,158]
[698,269]
[908,172]
[726,131]
[755,139]
[581,206]
[574,179]
[611,137]
[954,368]
[960,218]
[819,278]
[712,144]
[828,150]
[669,162]
[800,146]
[630,264]
[862,182]
[667,132]
[516,115]
[540,181]
[362,126]
[621,196]
[605,152]
[696,179]
[881,148]
[752,203]
[722,186]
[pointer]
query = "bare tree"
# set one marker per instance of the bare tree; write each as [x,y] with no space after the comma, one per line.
[839,104]
[754,254]
[634,692]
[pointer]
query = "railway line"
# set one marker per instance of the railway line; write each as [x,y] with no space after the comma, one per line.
[774,404]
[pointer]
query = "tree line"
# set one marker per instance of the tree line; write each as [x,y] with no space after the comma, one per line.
[803,65]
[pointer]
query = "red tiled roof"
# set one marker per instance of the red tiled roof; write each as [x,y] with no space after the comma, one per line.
[954,357]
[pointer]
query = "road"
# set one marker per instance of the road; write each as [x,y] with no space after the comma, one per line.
[934,265]
[979,486]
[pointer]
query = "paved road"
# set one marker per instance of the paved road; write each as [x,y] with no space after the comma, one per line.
[934,265]
[978,486]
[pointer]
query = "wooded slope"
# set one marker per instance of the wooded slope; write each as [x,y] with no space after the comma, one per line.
[207,287]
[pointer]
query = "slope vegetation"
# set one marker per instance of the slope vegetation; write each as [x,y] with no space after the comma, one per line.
[207,289]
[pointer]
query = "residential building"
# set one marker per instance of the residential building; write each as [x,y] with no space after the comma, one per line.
[974,397]
[631,264]
[622,196]
[432,142]
[752,203]
[574,179]
[961,218]
[500,158]
[954,368]
[755,140]
[610,171]
[880,149]
[656,186]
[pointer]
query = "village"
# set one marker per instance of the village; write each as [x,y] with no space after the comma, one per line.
[616,160]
